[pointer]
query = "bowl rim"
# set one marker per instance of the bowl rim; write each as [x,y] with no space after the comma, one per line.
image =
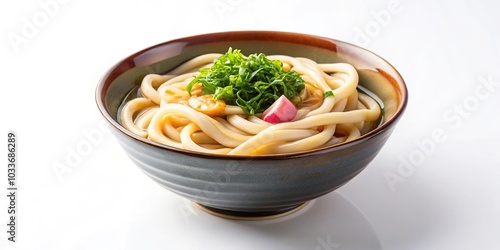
[128,63]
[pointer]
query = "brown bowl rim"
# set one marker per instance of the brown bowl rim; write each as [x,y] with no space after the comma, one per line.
[285,36]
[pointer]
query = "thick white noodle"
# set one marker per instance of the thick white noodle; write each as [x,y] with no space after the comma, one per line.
[339,118]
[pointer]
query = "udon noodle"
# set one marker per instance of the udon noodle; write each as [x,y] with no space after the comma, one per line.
[160,112]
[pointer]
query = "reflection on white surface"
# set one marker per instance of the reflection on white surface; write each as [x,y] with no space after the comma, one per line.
[328,222]
[162,220]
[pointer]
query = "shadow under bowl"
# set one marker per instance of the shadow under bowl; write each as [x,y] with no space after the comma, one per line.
[253,186]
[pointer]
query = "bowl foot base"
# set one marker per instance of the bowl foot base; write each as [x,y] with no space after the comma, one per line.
[249,216]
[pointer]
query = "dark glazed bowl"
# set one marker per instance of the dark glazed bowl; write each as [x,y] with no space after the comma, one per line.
[263,185]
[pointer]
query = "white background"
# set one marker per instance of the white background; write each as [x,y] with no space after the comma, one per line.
[435,185]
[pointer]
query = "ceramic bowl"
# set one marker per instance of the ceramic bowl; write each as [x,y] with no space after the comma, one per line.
[258,186]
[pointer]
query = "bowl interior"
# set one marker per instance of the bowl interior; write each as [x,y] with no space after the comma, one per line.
[376,74]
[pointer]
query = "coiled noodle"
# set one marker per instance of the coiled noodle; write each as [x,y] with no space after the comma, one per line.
[160,114]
